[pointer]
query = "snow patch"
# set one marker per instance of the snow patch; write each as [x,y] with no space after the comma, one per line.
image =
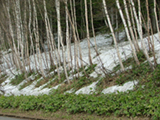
[69,91]
[88,89]
[114,89]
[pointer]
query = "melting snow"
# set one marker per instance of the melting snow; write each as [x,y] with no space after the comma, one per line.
[87,90]
[107,55]
[114,89]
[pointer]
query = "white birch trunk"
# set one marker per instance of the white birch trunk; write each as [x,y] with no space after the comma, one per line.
[93,27]
[127,33]
[16,58]
[78,43]
[156,17]
[36,33]
[60,39]
[139,26]
[87,29]
[30,35]
[112,31]
[26,37]
[20,37]
[57,5]
[130,27]
[50,39]
[133,22]
[68,40]
[72,22]
[148,26]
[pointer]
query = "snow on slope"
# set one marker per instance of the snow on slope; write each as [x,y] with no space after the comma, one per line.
[107,54]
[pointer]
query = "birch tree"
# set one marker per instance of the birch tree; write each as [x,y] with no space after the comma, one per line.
[31,35]
[36,33]
[156,17]
[57,5]
[20,35]
[67,37]
[60,39]
[127,32]
[16,57]
[91,12]
[50,40]
[112,32]
[87,29]
[26,36]
[130,27]
[139,26]
[78,39]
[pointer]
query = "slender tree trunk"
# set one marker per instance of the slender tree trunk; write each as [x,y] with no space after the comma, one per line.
[93,27]
[75,22]
[112,20]
[47,24]
[133,22]
[72,21]
[139,26]
[57,4]
[16,58]
[156,17]
[117,25]
[68,40]
[20,35]
[130,27]
[75,37]
[36,33]
[50,40]
[61,39]
[148,26]
[112,31]
[26,52]
[87,29]
[32,51]
[127,33]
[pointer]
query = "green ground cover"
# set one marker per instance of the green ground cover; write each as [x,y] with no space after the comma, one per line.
[141,102]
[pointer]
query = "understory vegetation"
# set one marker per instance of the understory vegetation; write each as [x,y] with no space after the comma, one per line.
[142,102]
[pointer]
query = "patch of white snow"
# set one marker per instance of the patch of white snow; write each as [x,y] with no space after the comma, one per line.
[114,89]
[88,89]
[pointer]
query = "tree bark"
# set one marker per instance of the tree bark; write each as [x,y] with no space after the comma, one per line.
[112,32]
[87,29]
[139,26]
[61,39]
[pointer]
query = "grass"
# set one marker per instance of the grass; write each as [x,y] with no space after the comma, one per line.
[3,78]
[52,82]
[130,61]
[78,82]
[20,77]
[136,72]
[17,79]
[30,82]
[75,84]
[41,82]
